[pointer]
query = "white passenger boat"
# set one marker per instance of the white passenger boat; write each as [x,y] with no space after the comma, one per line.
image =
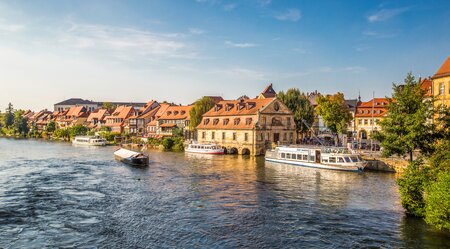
[212,149]
[324,158]
[131,157]
[89,140]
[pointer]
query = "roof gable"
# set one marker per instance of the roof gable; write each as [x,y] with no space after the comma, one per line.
[444,70]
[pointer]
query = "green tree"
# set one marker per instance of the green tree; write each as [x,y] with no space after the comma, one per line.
[335,113]
[62,133]
[177,132]
[8,118]
[437,209]
[299,104]
[108,106]
[51,127]
[106,128]
[405,128]
[77,130]
[412,185]
[201,106]
[20,124]
[168,143]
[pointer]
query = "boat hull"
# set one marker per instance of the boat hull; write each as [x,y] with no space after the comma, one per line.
[317,165]
[218,152]
[140,162]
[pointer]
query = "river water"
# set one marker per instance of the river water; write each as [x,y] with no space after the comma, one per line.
[57,195]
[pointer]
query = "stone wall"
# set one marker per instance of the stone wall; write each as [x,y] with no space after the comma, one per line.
[386,164]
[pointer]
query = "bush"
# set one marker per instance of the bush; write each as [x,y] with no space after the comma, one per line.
[178,145]
[77,130]
[412,184]
[437,210]
[168,143]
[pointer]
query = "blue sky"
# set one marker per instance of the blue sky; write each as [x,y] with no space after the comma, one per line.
[181,50]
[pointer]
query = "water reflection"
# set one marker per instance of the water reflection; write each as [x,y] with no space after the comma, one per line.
[56,195]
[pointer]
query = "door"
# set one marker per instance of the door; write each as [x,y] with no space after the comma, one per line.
[276,138]
[317,156]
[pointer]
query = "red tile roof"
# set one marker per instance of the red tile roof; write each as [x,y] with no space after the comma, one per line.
[378,105]
[236,107]
[76,111]
[444,70]
[122,112]
[176,112]
[427,85]
[98,114]
[268,92]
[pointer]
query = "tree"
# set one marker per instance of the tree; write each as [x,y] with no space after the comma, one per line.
[20,124]
[108,106]
[412,186]
[8,118]
[62,133]
[437,209]
[201,106]
[77,130]
[335,113]
[51,127]
[299,104]
[405,128]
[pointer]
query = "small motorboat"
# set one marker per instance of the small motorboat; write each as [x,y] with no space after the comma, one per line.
[89,140]
[131,157]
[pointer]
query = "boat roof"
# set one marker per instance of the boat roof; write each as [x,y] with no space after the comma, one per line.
[124,153]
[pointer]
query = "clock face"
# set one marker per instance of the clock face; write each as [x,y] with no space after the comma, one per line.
[276,107]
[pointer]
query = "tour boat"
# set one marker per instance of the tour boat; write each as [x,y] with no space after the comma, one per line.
[334,158]
[205,149]
[131,157]
[89,140]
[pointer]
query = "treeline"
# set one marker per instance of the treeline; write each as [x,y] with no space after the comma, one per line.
[13,123]
[415,124]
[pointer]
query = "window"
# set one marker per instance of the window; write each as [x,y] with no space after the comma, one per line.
[332,159]
[283,155]
[215,121]
[223,135]
[347,159]
[234,135]
[340,159]
[264,120]
[246,136]
[206,121]
[248,121]
[288,156]
[441,88]
[305,157]
[225,121]
[288,122]
[366,121]
[203,135]
[291,136]
[236,121]
[285,136]
[312,158]
[324,160]
[213,134]
[360,121]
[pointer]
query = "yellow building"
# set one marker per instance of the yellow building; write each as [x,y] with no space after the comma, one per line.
[441,85]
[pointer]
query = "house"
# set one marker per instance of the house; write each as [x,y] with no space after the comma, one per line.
[75,115]
[117,119]
[72,102]
[248,126]
[137,124]
[368,115]
[174,116]
[441,86]
[268,92]
[97,118]
[153,124]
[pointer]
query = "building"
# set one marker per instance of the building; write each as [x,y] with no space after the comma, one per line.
[67,104]
[368,115]
[174,116]
[248,126]
[137,124]
[441,85]
[117,119]
[97,119]
[152,125]
[75,115]
[92,105]
[268,92]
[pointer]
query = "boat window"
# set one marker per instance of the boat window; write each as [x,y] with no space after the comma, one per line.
[347,159]
[354,159]
[283,155]
[312,158]
[325,160]
[299,157]
[332,159]
[305,157]
[288,156]
[340,159]
[360,159]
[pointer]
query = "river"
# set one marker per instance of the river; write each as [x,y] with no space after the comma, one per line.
[57,195]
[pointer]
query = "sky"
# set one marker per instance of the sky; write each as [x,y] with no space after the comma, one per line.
[178,51]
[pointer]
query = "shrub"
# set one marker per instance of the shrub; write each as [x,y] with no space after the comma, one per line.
[437,210]
[178,144]
[77,130]
[168,143]
[412,184]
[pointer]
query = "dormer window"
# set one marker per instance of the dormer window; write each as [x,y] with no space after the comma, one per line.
[240,105]
[229,106]
[175,113]
[248,121]
[218,107]
[169,113]
[215,121]
[250,105]
[206,121]
[236,121]
[225,121]
[183,112]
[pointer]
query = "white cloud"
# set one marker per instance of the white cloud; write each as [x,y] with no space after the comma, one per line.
[386,14]
[196,31]
[376,34]
[240,45]
[229,7]
[290,15]
[12,28]
[123,42]
[264,3]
